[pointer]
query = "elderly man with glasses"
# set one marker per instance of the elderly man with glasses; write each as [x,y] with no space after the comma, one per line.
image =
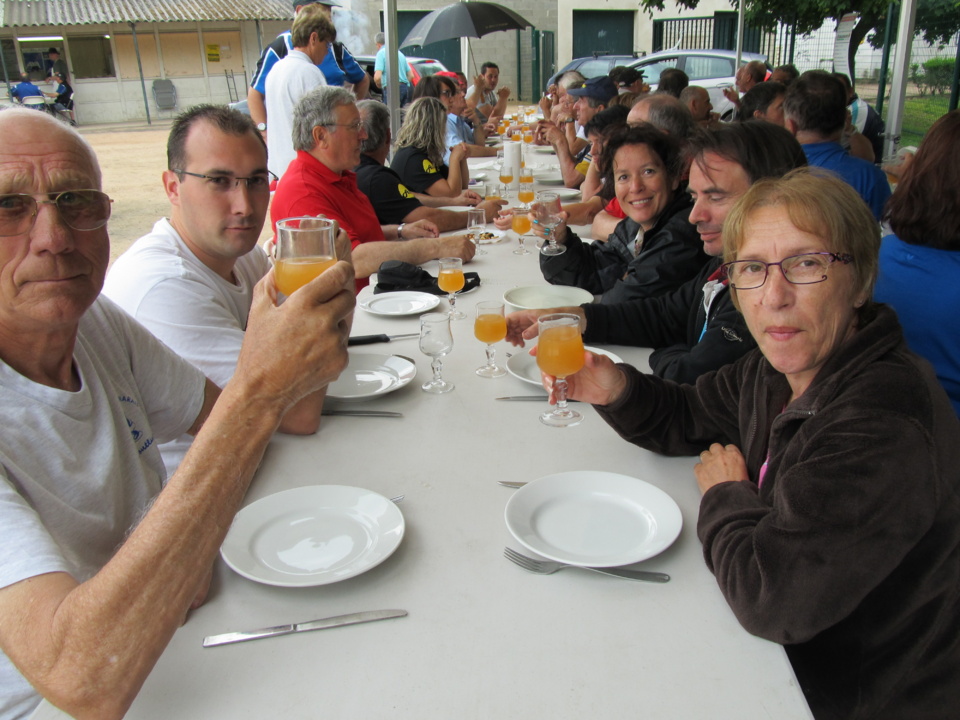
[102,554]
[327,134]
[190,280]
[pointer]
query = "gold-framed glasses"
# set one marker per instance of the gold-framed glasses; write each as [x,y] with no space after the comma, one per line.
[79,209]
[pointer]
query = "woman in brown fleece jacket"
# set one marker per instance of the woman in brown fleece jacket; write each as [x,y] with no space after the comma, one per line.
[829,460]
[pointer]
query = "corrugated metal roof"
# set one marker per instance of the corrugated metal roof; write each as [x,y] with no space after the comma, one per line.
[25,13]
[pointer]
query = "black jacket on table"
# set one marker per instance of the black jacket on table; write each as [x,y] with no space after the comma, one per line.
[674,324]
[848,553]
[671,254]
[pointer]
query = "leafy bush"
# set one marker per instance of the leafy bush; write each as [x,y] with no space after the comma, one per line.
[938,74]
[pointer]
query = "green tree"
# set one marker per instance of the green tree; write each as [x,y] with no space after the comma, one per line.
[937,20]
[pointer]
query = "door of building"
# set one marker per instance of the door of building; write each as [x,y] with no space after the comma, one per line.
[608,32]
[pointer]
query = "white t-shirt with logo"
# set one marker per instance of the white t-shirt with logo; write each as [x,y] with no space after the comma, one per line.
[78,469]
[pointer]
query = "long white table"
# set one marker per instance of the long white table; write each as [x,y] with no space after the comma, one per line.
[484,638]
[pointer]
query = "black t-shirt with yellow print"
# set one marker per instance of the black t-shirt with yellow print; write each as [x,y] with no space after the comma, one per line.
[391,199]
[415,169]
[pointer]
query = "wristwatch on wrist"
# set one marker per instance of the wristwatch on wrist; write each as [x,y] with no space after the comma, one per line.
[400,231]
[261,127]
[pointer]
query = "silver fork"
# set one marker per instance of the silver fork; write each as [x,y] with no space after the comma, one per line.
[548,567]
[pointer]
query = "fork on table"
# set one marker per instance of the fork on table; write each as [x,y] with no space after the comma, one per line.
[548,567]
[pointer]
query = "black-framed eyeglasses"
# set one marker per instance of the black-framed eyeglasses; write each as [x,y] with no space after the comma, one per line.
[356,125]
[805,269]
[259,183]
[79,209]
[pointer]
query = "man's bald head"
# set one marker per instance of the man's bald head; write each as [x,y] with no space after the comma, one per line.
[665,113]
[16,121]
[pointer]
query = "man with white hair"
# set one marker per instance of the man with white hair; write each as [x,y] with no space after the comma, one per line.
[101,554]
[327,133]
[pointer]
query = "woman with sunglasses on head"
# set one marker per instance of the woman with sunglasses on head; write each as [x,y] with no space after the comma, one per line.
[421,144]
[829,459]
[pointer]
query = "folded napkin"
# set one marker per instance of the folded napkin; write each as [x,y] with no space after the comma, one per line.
[395,275]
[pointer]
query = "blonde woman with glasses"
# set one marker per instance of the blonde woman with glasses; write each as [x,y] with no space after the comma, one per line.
[421,145]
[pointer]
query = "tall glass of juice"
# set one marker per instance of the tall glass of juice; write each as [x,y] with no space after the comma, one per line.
[450,280]
[305,248]
[490,327]
[520,224]
[560,353]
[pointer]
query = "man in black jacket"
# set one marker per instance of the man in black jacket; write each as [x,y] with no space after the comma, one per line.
[696,328]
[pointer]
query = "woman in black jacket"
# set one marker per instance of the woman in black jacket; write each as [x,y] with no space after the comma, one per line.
[654,249]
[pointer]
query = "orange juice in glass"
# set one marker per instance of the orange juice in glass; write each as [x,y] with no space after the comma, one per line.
[506,175]
[520,224]
[526,194]
[526,175]
[450,280]
[305,248]
[560,353]
[490,327]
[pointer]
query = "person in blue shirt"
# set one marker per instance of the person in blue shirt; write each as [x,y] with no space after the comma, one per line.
[380,70]
[815,111]
[920,261]
[25,88]
[339,67]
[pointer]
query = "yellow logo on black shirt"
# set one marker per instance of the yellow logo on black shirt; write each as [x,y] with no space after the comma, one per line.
[404,193]
[428,167]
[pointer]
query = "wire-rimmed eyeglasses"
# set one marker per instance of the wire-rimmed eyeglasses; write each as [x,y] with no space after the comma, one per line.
[356,125]
[225,183]
[804,269]
[79,209]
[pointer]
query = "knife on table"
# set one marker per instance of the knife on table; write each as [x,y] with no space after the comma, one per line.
[539,398]
[330,622]
[371,339]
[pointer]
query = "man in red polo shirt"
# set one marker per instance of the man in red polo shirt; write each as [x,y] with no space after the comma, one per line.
[327,132]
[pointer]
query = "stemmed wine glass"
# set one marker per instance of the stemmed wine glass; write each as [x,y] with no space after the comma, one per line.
[560,353]
[436,340]
[490,327]
[520,224]
[450,280]
[548,217]
[476,222]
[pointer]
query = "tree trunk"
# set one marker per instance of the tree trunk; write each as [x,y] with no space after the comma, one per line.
[864,25]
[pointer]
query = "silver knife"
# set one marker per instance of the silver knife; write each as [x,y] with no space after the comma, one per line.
[371,339]
[511,484]
[364,413]
[331,622]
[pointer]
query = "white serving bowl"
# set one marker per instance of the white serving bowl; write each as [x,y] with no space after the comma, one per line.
[539,297]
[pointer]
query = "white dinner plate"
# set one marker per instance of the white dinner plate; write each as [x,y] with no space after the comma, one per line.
[593,518]
[524,367]
[548,177]
[478,176]
[403,302]
[544,149]
[313,535]
[367,376]
[566,193]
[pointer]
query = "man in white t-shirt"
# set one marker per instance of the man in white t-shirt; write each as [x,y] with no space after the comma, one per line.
[292,77]
[190,281]
[101,555]
[483,96]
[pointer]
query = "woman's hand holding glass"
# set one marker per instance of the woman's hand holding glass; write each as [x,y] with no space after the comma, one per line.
[598,382]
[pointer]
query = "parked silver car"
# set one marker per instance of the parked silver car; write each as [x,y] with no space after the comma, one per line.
[710,69]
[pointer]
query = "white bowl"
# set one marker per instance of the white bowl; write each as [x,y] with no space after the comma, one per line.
[539,297]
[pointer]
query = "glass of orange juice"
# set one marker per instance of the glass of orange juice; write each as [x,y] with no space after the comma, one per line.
[490,327]
[450,281]
[560,353]
[305,248]
[520,224]
[526,175]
